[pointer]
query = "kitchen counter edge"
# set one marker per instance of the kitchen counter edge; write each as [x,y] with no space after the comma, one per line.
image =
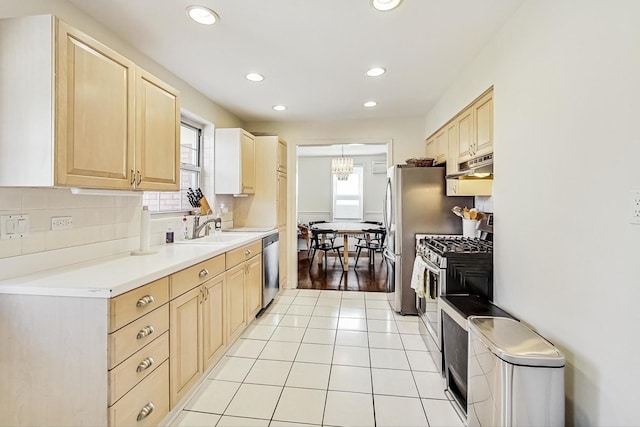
[115,275]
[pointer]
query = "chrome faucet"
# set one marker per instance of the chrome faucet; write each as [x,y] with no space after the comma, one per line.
[197,227]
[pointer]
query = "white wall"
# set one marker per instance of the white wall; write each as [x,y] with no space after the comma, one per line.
[315,188]
[566,79]
[96,218]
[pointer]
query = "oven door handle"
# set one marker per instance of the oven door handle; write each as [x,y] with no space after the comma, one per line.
[431,267]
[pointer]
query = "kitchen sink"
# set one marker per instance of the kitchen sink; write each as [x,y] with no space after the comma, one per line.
[213,239]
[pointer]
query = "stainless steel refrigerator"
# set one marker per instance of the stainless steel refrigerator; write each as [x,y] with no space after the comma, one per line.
[415,203]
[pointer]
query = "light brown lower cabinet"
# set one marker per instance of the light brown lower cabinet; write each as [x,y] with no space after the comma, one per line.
[236,321]
[196,327]
[155,341]
[253,286]
[147,404]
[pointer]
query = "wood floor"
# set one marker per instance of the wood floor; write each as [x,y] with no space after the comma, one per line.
[329,275]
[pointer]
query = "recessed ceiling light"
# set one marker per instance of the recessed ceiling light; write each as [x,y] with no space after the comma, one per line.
[279,107]
[376,71]
[202,15]
[385,5]
[370,104]
[255,77]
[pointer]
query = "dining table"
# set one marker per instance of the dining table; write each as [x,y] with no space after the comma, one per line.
[346,229]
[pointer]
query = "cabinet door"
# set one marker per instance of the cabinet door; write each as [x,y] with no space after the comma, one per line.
[282,260]
[253,284]
[235,309]
[465,135]
[281,200]
[441,146]
[452,147]
[185,343]
[95,113]
[483,124]
[248,149]
[431,151]
[282,156]
[213,337]
[157,134]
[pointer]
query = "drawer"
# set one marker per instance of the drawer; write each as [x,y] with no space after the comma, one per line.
[130,372]
[152,392]
[137,334]
[128,307]
[242,254]
[189,278]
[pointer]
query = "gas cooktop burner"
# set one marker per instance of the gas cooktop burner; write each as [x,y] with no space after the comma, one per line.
[443,245]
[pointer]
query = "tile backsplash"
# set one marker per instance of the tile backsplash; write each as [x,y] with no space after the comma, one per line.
[95,218]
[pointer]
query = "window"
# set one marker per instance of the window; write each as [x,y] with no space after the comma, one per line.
[347,196]
[190,171]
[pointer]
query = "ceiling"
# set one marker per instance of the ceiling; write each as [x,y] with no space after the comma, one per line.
[313,53]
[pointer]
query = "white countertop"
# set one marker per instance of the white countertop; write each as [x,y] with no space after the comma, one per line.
[111,276]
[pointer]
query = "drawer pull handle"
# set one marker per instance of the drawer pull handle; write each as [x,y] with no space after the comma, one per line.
[203,272]
[144,412]
[144,332]
[133,176]
[147,299]
[145,364]
[247,252]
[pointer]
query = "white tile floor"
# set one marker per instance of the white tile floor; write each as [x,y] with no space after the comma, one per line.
[328,358]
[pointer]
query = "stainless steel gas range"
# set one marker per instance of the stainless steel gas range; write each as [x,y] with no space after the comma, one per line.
[455,265]
[458,284]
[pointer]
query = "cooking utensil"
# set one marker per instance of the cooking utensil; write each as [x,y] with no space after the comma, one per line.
[197,200]
[458,211]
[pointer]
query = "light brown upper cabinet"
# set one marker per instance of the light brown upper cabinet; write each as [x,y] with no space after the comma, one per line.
[235,161]
[157,159]
[465,135]
[483,124]
[85,115]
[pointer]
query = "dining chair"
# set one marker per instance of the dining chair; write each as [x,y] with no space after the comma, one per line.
[332,237]
[363,236]
[303,233]
[317,244]
[374,240]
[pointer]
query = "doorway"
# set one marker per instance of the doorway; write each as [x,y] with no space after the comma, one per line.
[320,196]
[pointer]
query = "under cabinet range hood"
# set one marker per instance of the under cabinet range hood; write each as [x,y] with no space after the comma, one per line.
[479,167]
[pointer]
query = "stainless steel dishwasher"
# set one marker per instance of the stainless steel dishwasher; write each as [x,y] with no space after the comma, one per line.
[271,269]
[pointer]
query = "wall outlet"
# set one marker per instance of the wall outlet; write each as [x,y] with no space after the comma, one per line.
[61,222]
[635,207]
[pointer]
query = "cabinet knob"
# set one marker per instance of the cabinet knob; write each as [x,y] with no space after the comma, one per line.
[147,299]
[145,332]
[145,364]
[247,252]
[203,272]
[145,411]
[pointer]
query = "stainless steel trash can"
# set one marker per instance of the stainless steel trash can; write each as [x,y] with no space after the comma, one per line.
[516,377]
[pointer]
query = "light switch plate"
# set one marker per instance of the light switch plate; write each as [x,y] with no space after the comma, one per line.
[14,226]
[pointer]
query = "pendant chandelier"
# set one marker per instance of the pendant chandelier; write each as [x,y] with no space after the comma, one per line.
[342,166]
